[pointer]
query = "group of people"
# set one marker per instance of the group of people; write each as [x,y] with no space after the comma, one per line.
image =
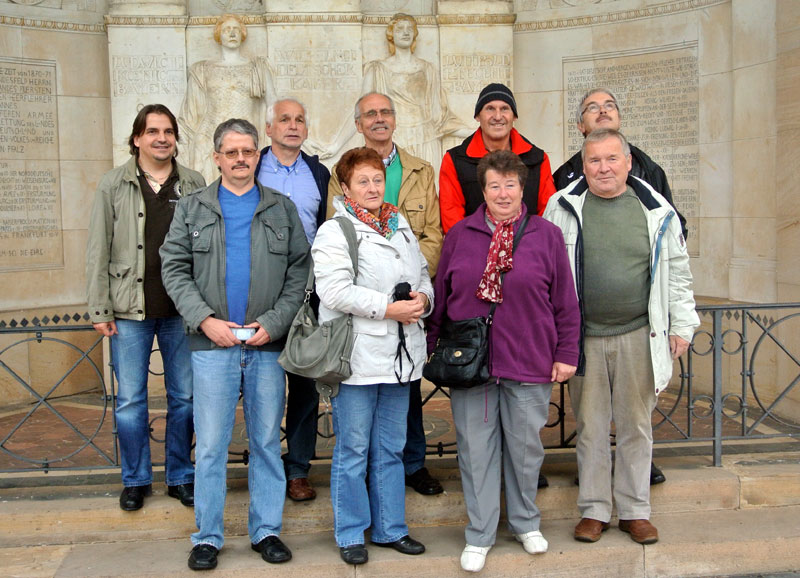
[590,284]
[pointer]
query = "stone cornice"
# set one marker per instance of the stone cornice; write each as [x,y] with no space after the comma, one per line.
[621,16]
[146,20]
[384,20]
[350,18]
[471,19]
[51,24]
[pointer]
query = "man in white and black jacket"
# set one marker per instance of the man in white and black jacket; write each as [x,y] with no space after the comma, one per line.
[599,109]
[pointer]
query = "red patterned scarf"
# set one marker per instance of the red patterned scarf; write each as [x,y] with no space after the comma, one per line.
[499,260]
[385,223]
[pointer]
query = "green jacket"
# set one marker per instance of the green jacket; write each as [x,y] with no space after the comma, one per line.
[193,264]
[115,250]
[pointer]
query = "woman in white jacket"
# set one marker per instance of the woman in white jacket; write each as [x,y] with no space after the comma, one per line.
[370,411]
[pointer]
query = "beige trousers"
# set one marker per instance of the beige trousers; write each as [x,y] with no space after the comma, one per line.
[618,385]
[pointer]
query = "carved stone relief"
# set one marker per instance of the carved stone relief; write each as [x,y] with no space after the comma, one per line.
[233,85]
[423,116]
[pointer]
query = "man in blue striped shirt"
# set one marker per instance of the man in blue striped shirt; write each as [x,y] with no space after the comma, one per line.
[301,177]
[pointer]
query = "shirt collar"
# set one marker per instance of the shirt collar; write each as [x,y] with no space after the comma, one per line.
[391,158]
[274,165]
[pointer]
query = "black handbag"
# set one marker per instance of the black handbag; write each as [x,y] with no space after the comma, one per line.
[461,357]
[322,351]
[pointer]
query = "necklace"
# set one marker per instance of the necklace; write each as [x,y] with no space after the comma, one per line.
[155,183]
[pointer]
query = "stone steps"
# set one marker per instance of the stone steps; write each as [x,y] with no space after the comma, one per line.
[708,543]
[737,519]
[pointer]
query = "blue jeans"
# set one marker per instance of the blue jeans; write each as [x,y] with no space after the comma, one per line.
[130,350]
[370,426]
[301,426]
[220,374]
[414,452]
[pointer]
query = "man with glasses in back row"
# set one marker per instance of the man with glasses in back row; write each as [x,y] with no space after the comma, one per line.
[599,109]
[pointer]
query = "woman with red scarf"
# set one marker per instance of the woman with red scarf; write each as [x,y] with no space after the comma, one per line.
[533,343]
[370,411]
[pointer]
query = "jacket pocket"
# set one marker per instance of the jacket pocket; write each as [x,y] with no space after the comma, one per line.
[201,233]
[370,326]
[121,286]
[570,238]
[415,214]
[277,232]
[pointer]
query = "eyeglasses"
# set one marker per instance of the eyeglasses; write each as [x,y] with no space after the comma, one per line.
[383,112]
[594,108]
[246,153]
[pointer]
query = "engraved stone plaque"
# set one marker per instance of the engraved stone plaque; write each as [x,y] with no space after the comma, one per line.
[468,73]
[145,74]
[659,97]
[30,188]
[317,70]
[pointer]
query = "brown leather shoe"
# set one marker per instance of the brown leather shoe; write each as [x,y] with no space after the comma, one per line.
[641,531]
[300,490]
[589,530]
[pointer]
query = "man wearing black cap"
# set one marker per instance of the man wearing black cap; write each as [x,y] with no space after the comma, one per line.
[460,193]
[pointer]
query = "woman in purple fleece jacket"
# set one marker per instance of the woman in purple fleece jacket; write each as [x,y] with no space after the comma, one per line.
[533,342]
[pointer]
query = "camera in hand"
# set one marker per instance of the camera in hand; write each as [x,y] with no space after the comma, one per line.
[402,292]
[243,333]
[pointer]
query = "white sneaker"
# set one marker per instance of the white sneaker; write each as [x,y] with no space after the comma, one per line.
[474,557]
[533,542]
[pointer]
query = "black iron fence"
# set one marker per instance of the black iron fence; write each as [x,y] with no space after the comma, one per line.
[738,381]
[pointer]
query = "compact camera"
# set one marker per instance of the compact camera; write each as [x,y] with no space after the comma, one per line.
[243,333]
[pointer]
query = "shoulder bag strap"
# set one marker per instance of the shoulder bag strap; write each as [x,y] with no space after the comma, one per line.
[352,245]
[352,242]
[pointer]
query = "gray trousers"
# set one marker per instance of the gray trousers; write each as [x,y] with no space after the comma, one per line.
[491,421]
[618,385]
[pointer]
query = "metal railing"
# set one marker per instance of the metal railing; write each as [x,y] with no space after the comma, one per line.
[715,395]
[738,381]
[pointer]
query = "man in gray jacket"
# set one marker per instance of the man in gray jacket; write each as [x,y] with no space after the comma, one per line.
[132,211]
[631,270]
[235,261]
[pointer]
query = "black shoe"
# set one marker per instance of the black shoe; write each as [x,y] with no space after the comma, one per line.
[423,483]
[273,550]
[542,483]
[132,497]
[203,557]
[355,554]
[182,492]
[405,545]
[656,475]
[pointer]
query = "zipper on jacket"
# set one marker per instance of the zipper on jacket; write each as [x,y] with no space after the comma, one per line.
[581,369]
[659,238]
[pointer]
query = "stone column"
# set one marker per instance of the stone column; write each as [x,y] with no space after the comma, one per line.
[147,61]
[753,264]
[476,42]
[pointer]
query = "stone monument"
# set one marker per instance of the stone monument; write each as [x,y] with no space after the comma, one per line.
[234,85]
